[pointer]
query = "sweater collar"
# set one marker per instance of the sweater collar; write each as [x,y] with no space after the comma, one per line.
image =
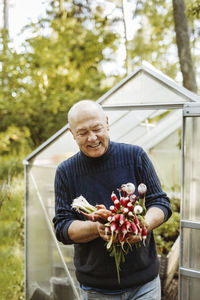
[104,157]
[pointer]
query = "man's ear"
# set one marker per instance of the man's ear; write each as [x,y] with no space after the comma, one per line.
[72,133]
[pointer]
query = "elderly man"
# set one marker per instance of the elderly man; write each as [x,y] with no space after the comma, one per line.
[100,167]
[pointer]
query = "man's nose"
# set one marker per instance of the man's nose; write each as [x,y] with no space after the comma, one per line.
[92,136]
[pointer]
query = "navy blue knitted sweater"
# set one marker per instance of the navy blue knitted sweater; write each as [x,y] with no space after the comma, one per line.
[95,179]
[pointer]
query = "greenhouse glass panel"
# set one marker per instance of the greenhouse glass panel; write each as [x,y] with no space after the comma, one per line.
[191,207]
[115,115]
[158,131]
[191,249]
[143,87]
[61,148]
[170,148]
[190,288]
[48,270]
[133,119]
[189,269]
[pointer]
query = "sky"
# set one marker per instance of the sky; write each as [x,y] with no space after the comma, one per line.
[21,12]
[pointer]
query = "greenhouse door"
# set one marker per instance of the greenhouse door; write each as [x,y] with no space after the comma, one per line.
[189,269]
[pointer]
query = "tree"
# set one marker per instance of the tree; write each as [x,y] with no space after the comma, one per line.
[14,134]
[183,44]
[61,64]
[153,40]
[5,15]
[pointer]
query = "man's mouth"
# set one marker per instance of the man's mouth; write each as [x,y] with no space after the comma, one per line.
[94,146]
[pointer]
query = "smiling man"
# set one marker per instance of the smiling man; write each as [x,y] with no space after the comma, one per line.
[100,167]
[89,127]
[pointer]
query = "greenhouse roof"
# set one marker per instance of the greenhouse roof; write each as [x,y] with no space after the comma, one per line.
[147,90]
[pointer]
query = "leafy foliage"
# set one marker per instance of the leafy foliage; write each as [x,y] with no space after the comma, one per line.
[60,65]
[11,166]
[153,40]
[12,241]
[194,9]
[166,234]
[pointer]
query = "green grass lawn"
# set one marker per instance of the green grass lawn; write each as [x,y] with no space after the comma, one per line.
[12,240]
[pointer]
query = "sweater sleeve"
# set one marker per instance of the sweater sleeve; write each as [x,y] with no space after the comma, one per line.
[155,196]
[64,215]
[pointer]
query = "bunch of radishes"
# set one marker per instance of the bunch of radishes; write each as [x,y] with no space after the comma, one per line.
[127,214]
[124,218]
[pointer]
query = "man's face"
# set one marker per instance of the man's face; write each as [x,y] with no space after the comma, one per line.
[90,130]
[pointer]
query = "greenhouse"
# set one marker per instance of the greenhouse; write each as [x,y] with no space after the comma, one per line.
[148,109]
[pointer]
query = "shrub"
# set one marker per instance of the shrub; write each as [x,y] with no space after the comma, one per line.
[10,166]
[166,234]
[12,240]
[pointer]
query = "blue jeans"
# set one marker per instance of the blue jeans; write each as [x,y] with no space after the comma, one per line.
[147,291]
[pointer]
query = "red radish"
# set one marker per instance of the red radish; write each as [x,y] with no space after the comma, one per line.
[124,201]
[117,231]
[124,230]
[113,226]
[121,219]
[142,193]
[136,221]
[130,188]
[142,190]
[125,210]
[134,228]
[113,197]
[130,214]
[138,209]
[116,217]
[130,206]
[123,189]
[133,198]
[139,228]
[117,203]
[109,219]
[144,234]
[144,231]
[113,209]
[128,225]
[122,240]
